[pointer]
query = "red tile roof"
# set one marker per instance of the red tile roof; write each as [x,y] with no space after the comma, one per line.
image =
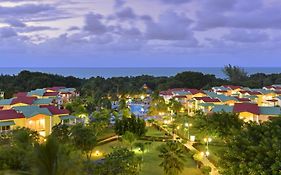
[246,107]
[10,114]
[55,110]
[208,99]
[254,93]
[180,96]
[21,94]
[243,99]
[195,91]
[25,100]
[251,92]
[165,93]
[50,94]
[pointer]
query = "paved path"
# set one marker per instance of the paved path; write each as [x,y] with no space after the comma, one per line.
[189,145]
[109,139]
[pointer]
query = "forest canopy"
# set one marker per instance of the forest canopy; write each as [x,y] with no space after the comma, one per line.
[99,86]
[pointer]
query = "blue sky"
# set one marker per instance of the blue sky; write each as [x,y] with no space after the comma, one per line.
[139,33]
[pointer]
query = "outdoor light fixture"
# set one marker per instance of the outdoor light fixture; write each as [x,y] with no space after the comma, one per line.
[187,125]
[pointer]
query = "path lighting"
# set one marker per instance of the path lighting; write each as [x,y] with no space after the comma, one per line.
[187,126]
[207,140]
[207,153]
[97,153]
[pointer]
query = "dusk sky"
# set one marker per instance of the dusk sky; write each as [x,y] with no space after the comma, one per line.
[140,33]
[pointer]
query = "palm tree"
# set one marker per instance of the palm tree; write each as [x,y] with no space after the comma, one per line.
[51,158]
[129,138]
[173,156]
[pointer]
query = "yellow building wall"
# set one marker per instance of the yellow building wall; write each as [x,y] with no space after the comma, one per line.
[5,107]
[49,122]
[18,123]
[230,102]
[260,100]
[19,104]
[247,116]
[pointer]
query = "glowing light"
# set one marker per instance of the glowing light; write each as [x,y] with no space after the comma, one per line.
[207,153]
[207,139]
[97,153]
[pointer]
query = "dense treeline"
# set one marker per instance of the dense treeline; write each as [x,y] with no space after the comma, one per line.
[98,86]
[26,81]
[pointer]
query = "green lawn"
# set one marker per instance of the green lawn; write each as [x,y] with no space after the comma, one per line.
[151,131]
[151,159]
[108,132]
[215,149]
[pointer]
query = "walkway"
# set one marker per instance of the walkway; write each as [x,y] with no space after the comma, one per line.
[109,139]
[189,145]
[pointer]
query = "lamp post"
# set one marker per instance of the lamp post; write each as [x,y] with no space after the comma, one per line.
[187,126]
[207,140]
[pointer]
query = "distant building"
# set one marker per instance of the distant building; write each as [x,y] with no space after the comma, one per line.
[39,109]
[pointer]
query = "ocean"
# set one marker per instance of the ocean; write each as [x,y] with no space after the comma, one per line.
[117,72]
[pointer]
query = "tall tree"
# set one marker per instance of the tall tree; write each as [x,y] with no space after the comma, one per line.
[173,157]
[84,138]
[255,150]
[51,158]
[120,161]
[224,125]
[129,138]
[235,74]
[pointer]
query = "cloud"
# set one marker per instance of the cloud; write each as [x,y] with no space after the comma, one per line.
[35,28]
[14,22]
[246,36]
[73,28]
[175,1]
[7,32]
[239,14]
[94,24]
[126,13]
[119,3]
[25,9]
[170,26]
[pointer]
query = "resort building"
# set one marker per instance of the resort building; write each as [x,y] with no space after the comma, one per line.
[38,110]
[251,104]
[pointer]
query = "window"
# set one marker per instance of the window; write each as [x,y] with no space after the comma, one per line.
[5,128]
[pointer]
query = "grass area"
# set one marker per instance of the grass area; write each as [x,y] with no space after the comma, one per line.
[215,150]
[10,172]
[108,132]
[151,131]
[151,159]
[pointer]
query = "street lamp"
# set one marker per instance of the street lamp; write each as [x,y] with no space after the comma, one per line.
[207,140]
[207,153]
[187,126]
